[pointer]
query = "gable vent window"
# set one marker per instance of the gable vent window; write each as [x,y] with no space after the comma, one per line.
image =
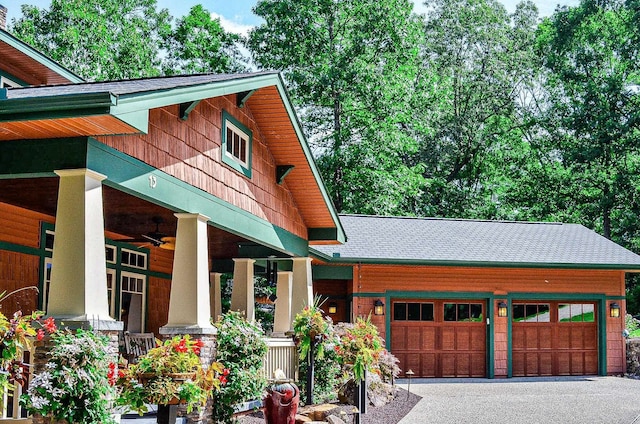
[236,144]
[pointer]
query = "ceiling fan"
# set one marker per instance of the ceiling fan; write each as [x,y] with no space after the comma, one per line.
[155,237]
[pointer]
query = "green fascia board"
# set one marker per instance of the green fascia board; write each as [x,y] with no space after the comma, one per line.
[321,234]
[325,272]
[51,107]
[39,57]
[17,156]
[475,264]
[132,176]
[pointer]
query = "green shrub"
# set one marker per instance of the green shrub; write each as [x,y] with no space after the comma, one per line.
[241,349]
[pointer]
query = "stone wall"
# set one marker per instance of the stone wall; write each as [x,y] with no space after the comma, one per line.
[633,357]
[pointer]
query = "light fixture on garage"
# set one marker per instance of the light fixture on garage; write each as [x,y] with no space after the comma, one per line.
[614,310]
[502,309]
[333,307]
[378,307]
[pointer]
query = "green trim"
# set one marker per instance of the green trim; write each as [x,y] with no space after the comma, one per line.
[131,175]
[324,272]
[473,264]
[187,108]
[18,248]
[52,107]
[229,159]
[321,234]
[12,78]
[601,303]
[39,57]
[17,156]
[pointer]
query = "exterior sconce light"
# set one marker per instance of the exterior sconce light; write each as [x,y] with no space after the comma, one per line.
[614,310]
[502,309]
[378,307]
[333,307]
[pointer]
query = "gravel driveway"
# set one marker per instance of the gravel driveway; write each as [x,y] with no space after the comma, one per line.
[567,400]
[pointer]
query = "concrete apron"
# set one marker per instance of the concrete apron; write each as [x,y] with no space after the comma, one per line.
[525,400]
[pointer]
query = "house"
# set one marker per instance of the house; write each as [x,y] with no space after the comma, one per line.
[123,200]
[467,298]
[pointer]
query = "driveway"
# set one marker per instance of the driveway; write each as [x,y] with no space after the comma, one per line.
[611,400]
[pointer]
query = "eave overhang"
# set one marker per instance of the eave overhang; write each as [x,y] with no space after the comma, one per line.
[340,260]
[103,113]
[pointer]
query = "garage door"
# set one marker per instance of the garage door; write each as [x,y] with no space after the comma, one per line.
[438,338]
[554,338]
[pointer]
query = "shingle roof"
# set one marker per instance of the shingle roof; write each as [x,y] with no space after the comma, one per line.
[473,242]
[124,87]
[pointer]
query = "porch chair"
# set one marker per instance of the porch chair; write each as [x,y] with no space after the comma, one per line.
[137,344]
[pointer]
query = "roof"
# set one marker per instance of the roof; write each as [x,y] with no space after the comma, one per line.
[122,107]
[28,63]
[458,242]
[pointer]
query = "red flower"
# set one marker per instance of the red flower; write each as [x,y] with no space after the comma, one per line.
[111,374]
[40,334]
[226,371]
[223,379]
[182,346]
[50,325]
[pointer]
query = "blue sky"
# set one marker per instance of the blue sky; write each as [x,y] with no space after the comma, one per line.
[236,15]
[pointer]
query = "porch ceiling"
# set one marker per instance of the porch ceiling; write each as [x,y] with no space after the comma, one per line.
[126,216]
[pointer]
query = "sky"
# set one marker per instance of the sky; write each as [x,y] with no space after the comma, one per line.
[236,15]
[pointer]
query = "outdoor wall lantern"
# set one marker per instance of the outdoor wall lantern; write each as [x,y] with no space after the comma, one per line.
[333,307]
[502,309]
[378,307]
[614,311]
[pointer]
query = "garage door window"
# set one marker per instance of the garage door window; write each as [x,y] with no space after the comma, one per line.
[576,312]
[412,311]
[463,312]
[531,312]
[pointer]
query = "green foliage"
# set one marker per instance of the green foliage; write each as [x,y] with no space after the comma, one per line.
[199,44]
[327,372]
[97,39]
[241,347]
[349,65]
[359,346]
[309,327]
[74,385]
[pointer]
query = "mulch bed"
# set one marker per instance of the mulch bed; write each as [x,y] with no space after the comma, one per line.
[391,413]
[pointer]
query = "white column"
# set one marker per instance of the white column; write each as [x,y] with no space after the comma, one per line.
[242,294]
[189,310]
[283,321]
[302,292]
[215,299]
[78,290]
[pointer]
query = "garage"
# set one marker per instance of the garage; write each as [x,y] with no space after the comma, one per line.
[554,338]
[440,338]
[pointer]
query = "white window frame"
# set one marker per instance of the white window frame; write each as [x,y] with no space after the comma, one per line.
[142,292]
[232,154]
[137,254]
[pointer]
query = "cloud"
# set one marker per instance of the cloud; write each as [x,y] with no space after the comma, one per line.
[234,26]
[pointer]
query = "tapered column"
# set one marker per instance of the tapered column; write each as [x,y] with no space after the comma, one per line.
[189,310]
[242,294]
[283,321]
[78,290]
[215,300]
[302,292]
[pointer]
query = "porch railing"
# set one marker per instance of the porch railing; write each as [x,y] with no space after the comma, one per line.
[11,408]
[282,354]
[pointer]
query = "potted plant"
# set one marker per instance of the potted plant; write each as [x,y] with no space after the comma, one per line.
[170,373]
[309,326]
[75,385]
[359,346]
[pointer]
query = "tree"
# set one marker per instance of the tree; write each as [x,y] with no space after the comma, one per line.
[477,66]
[97,39]
[199,44]
[594,114]
[349,65]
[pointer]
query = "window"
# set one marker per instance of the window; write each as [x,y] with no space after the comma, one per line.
[133,259]
[412,311]
[132,298]
[6,82]
[463,312]
[110,253]
[576,312]
[531,312]
[236,144]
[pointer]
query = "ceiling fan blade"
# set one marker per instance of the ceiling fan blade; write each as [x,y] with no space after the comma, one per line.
[154,241]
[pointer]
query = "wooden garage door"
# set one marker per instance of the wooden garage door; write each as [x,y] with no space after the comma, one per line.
[439,338]
[554,338]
